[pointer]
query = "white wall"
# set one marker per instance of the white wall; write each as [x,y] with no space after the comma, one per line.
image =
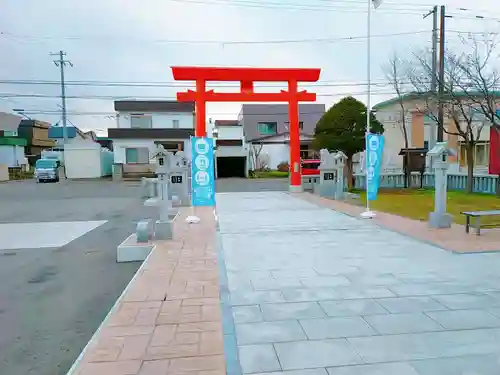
[12,156]
[119,146]
[230,132]
[229,151]
[274,153]
[160,120]
[81,162]
[390,117]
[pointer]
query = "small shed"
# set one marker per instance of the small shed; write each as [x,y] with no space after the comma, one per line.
[87,160]
[414,161]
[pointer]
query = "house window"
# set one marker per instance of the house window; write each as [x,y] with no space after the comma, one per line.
[138,155]
[171,146]
[301,125]
[426,145]
[141,121]
[268,128]
[305,152]
[175,124]
[481,154]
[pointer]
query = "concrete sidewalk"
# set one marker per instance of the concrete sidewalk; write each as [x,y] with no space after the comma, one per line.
[315,291]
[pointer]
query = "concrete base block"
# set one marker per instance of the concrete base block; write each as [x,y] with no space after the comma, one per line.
[437,220]
[164,230]
[132,251]
[181,201]
[151,202]
[295,189]
[172,213]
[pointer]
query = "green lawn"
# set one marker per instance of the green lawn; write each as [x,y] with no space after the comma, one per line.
[271,174]
[417,203]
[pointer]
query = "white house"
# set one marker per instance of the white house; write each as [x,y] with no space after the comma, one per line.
[11,145]
[421,133]
[141,125]
[270,151]
[82,156]
[232,152]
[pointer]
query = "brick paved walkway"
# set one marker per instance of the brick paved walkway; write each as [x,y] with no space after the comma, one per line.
[168,322]
[453,239]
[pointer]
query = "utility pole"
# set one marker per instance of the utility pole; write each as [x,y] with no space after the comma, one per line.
[434,67]
[61,64]
[440,132]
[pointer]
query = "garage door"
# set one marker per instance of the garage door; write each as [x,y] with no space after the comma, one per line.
[231,167]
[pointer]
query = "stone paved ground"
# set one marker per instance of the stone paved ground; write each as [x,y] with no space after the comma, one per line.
[168,320]
[317,292]
[453,239]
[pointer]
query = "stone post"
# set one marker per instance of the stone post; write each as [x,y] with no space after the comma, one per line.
[178,178]
[117,172]
[163,227]
[440,218]
[341,159]
[328,174]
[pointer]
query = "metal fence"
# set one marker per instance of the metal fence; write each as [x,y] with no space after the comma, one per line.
[482,183]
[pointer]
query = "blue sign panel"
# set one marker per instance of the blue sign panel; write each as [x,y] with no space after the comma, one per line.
[57,132]
[374,154]
[202,171]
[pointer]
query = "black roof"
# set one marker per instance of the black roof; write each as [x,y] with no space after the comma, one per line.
[154,106]
[149,133]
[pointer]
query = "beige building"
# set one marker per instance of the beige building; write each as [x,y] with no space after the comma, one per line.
[421,131]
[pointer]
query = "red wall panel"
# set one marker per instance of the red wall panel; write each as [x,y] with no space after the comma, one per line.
[494,166]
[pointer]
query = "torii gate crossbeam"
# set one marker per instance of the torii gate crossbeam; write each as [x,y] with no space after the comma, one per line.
[247,77]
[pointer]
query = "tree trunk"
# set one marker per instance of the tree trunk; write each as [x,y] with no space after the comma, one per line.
[350,174]
[406,170]
[470,167]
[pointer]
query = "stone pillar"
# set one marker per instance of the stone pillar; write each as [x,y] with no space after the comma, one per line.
[163,227]
[341,160]
[440,218]
[178,179]
[117,172]
[328,175]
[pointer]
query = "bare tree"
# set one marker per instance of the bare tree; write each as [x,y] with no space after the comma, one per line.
[396,73]
[255,151]
[481,76]
[483,79]
[459,105]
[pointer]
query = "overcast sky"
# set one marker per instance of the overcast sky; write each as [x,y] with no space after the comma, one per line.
[127,41]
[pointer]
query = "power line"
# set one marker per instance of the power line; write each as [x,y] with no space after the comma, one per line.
[221,42]
[110,97]
[180,85]
[76,113]
[293,6]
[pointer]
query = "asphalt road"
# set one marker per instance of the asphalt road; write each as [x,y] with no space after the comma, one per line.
[53,299]
[227,185]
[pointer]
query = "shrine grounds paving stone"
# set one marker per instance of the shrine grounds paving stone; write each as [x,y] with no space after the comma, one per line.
[315,292]
[410,304]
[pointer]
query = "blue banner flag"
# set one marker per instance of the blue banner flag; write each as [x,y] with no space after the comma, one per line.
[202,172]
[374,154]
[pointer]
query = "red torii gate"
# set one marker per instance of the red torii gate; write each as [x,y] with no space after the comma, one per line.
[247,77]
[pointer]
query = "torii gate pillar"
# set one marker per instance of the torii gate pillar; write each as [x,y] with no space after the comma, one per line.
[247,77]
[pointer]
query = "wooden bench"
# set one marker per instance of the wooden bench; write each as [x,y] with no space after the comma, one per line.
[477,215]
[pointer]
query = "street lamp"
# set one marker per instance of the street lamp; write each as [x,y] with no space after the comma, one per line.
[368,214]
[21,112]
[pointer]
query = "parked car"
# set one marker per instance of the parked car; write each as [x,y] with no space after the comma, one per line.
[310,167]
[47,170]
